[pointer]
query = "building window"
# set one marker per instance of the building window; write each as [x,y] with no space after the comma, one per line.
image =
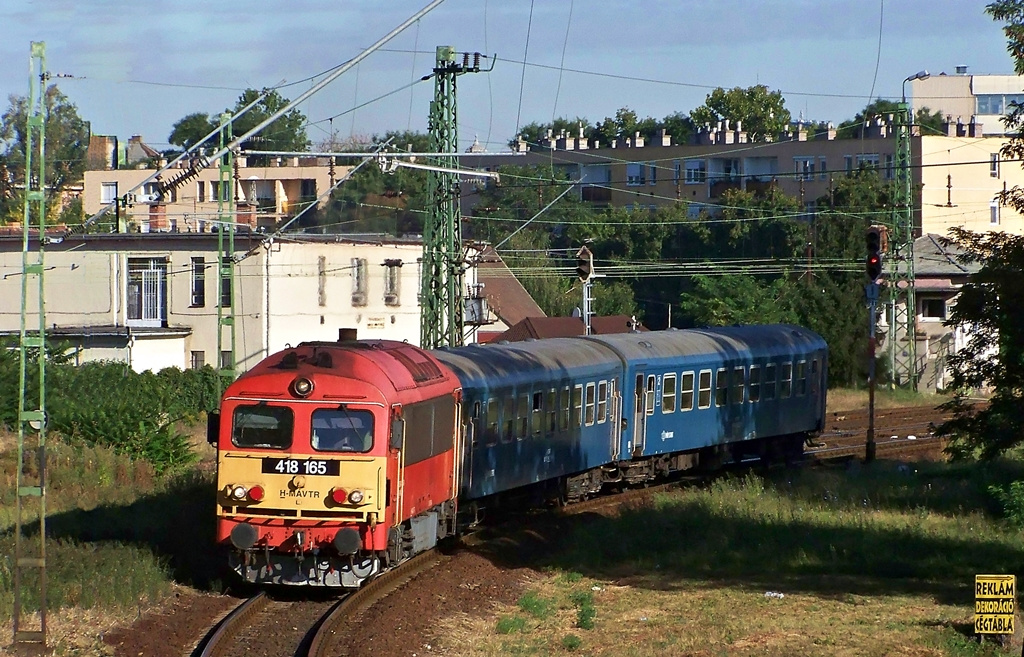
[359,283]
[848,163]
[804,168]
[201,191]
[868,161]
[993,213]
[696,171]
[677,169]
[933,309]
[198,359]
[392,282]
[198,282]
[635,174]
[226,290]
[147,292]
[108,192]
[822,169]
[653,180]
[890,168]
[227,360]
[993,165]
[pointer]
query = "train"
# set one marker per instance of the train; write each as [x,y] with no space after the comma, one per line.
[339,460]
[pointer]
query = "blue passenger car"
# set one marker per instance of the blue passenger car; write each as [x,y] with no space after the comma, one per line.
[576,414]
[534,411]
[687,390]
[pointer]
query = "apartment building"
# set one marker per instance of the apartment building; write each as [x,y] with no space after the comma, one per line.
[961,95]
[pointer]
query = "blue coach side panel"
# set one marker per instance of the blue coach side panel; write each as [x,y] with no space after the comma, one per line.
[534,411]
[684,390]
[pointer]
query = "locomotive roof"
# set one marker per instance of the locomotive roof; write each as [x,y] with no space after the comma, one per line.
[721,342]
[386,364]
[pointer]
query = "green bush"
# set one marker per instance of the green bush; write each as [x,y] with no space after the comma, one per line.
[1012,499]
[535,605]
[510,624]
[571,642]
[107,403]
[585,609]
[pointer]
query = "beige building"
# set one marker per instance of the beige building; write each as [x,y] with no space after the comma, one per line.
[265,195]
[962,96]
[152,299]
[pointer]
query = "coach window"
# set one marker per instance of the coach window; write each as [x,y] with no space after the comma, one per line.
[590,404]
[509,419]
[755,383]
[769,381]
[566,406]
[721,386]
[650,394]
[686,392]
[801,378]
[262,426]
[577,405]
[522,416]
[602,402]
[668,394]
[786,384]
[537,419]
[704,393]
[736,389]
[491,436]
[551,406]
[342,430]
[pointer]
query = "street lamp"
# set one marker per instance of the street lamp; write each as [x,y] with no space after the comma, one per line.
[920,75]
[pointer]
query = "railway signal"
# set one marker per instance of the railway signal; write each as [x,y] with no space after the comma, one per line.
[876,245]
[584,264]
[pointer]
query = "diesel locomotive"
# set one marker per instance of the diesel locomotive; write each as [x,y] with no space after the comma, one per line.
[339,460]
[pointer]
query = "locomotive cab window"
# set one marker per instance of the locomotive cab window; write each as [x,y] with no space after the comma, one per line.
[736,389]
[686,392]
[262,426]
[602,402]
[801,378]
[769,381]
[721,386]
[342,430]
[786,383]
[755,383]
[668,394]
[590,404]
[704,394]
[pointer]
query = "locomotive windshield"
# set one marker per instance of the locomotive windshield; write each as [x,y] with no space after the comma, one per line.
[342,430]
[262,426]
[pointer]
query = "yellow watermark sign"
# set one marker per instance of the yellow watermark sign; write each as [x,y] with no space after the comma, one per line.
[995,601]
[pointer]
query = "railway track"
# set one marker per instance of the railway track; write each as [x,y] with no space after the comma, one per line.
[269,626]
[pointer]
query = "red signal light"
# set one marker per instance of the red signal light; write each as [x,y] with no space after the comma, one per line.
[339,496]
[256,493]
[873,266]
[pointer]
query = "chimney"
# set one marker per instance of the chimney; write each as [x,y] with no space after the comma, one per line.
[961,70]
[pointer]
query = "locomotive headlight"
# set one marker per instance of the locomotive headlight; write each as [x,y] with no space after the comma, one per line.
[238,492]
[355,497]
[302,387]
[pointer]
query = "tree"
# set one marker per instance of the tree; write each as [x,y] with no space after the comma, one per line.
[763,112]
[990,306]
[287,133]
[930,122]
[67,142]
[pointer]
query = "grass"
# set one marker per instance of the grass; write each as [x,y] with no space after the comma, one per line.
[876,561]
[846,399]
[119,537]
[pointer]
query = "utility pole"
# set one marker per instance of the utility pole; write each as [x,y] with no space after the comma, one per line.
[31,481]
[226,219]
[900,277]
[441,317]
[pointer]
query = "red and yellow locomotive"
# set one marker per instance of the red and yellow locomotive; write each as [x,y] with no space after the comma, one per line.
[336,460]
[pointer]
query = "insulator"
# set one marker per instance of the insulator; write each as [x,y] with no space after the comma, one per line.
[465,60]
[476,60]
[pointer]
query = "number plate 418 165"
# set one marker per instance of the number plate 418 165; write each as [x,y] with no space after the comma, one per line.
[301,466]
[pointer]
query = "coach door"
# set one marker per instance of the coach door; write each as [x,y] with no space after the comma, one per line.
[397,442]
[643,406]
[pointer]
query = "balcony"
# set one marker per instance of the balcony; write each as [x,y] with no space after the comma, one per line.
[719,187]
[597,194]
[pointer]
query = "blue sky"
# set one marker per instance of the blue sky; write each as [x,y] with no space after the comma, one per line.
[140,67]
